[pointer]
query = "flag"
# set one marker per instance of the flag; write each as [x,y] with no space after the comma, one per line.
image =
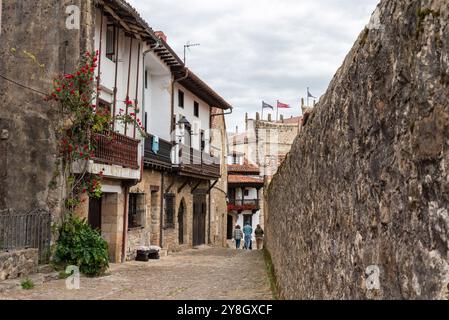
[309,95]
[283,105]
[267,106]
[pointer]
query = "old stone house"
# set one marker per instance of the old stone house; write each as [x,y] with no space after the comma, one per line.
[148,183]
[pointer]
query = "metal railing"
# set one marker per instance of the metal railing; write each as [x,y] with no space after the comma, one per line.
[198,162]
[26,230]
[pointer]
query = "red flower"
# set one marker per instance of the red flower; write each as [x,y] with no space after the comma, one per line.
[81,154]
[128,102]
[58,89]
[68,76]
[72,92]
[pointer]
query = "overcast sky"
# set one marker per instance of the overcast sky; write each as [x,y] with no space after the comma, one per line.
[261,50]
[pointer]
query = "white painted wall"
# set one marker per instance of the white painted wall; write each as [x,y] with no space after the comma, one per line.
[108,72]
[252,194]
[201,123]
[255,222]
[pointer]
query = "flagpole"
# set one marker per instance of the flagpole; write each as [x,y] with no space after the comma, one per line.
[277,110]
[262,111]
[307,97]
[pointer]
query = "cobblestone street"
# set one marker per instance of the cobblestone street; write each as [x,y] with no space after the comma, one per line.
[207,273]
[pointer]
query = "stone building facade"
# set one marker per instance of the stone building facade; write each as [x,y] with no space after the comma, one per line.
[45,40]
[359,209]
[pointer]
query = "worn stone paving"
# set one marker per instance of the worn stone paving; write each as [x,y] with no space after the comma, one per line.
[197,274]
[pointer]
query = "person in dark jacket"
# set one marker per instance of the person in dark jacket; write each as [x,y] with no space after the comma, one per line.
[259,236]
[237,236]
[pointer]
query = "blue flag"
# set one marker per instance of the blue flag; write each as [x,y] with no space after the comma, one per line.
[267,106]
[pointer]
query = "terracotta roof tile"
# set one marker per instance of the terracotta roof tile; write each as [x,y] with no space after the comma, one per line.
[245,168]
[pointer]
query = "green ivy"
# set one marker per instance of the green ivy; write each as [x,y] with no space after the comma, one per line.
[79,245]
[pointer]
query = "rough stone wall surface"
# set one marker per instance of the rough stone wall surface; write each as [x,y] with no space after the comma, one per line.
[367,181]
[219,206]
[16,264]
[34,28]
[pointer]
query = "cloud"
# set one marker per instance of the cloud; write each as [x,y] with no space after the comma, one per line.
[261,50]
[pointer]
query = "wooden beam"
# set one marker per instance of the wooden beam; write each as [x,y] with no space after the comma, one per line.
[196,187]
[186,181]
[212,186]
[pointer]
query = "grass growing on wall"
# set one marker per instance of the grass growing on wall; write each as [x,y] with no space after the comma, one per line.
[271,274]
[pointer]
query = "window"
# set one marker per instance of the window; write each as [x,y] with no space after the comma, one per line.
[246,192]
[235,159]
[111,35]
[146,79]
[169,210]
[136,210]
[203,141]
[181,99]
[146,121]
[196,109]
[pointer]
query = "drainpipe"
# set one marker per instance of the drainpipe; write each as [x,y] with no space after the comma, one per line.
[223,114]
[100,51]
[173,101]
[116,73]
[161,218]
[209,214]
[125,224]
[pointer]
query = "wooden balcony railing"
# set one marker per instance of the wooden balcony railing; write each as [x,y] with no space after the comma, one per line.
[242,205]
[160,156]
[197,163]
[116,149]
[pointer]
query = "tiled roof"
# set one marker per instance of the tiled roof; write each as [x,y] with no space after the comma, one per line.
[243,179]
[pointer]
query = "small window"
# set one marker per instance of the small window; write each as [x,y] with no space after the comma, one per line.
[246,192]
[146,79]
[111,35]
[235,159]
[169,210]
[203,141]
[181,99]
[136,211]
[196,109]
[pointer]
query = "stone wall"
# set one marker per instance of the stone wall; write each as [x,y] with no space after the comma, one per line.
[20,263]
[35,47]
[367,181]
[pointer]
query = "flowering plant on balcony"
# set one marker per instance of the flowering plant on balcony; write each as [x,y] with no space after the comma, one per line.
[83,118]
[245,207]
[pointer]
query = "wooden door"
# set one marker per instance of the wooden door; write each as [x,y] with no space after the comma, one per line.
[230,227]
[94,218]
[199,220]
[181,223]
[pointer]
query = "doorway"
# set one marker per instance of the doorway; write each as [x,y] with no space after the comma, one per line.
[181,212]
[94,218]
[230,227]
[199,219]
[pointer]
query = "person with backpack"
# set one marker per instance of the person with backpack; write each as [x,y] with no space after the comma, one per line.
[259,236]
[237,236]
[248,232]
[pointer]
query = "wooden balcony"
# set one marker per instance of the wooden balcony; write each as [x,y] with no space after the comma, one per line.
[243,204]
[191,162]
[116,149]
[157,157]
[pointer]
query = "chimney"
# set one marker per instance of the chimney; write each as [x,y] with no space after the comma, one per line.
[161,35]
[282,118]
[237,129]
[257,116]
[269,117]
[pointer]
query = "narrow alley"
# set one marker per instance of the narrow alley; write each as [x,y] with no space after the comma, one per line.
[198,274]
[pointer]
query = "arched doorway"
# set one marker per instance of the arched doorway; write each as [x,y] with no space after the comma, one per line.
[181,212]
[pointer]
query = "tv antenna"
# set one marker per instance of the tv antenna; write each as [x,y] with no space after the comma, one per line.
[187,46]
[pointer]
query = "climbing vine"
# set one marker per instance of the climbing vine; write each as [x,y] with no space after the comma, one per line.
[82,121]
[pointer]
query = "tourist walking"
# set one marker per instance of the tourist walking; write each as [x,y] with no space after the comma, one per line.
[259,236]
[248,232]
[237,236]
